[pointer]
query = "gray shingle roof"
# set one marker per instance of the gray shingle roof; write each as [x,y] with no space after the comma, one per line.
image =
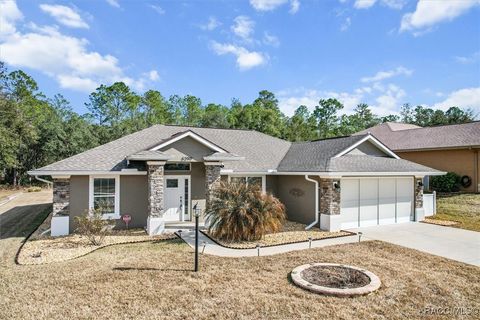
[357,163]
[252,150]
[315,155]
[262,152]
[449,136]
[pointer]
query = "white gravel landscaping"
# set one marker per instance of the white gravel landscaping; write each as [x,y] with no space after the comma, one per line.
[48,249]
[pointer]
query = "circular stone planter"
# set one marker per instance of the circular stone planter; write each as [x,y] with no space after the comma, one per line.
[322,278]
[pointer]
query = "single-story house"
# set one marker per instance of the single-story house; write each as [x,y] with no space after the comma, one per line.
[451,148]
[158,174]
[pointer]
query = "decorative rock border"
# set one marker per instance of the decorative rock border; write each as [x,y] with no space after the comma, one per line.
[297,278]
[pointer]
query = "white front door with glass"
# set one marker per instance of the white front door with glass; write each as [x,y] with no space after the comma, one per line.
[177,198]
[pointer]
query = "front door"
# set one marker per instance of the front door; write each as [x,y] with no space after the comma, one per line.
[177,198]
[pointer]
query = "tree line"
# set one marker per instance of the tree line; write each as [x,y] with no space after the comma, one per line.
[36,130]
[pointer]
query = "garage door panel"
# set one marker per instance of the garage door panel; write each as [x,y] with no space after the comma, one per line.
[368,202]
[349,203]
[404,199]
[386,201]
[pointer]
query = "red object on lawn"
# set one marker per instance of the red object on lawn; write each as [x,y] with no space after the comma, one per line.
[126,218]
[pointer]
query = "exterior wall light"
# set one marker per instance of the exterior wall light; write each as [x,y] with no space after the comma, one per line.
[336,185]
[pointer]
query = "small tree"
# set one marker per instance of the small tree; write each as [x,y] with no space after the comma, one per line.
[446,183]
[239,212]
[93,226]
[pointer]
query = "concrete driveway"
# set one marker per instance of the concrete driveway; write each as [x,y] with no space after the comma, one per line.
[452,243]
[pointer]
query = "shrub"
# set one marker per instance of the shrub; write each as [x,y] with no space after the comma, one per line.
[34,189]
[446,183]
[243,213]
[93,226]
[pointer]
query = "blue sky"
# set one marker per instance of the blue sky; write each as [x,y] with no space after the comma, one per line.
[381,52]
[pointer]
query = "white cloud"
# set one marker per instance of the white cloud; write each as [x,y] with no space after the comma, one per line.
[113,3]
[428,13]
[66,59]
[157,9]
[243,27]
[364,4]
[468,59]
[245,59]
[389,101]
[294,6]
[269,5]
[9,15]
[212,24]
[153,75]
[463,98]
[346,24]
[382,75]
[270,39]
[65,15]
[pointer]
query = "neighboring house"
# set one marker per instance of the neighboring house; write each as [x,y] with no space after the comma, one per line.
[452,148]
[158,174]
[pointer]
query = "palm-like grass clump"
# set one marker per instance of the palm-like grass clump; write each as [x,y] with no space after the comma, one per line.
[239,212]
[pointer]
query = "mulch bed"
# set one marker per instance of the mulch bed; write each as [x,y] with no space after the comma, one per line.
[445,223]
[335,277]
[292,232]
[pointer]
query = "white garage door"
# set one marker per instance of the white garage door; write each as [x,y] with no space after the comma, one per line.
[371,201]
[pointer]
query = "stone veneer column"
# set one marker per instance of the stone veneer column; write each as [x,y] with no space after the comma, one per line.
[419,211]
[329,197]
[212,179]
[329,204]
[60,224]
[61,196]
[155,177]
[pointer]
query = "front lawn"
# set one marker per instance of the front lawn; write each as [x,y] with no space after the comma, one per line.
[155,281]
[462,208]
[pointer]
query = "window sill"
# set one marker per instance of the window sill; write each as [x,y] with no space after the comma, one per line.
[112,216]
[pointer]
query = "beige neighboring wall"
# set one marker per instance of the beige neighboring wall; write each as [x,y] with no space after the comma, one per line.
[461,161]
[298,196]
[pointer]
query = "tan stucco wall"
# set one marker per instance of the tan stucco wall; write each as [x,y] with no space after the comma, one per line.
[367,148]
[461,161]
[134,200]
[187,147]
[78,198]
[299,208]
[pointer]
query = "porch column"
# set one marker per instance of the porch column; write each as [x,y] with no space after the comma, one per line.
[212,180]
[330,204]
[419,211]
[61,207]
[155,176]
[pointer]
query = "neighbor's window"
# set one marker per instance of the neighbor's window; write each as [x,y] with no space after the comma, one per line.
[177,167]
[104,195]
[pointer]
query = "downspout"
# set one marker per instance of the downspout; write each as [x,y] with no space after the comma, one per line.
[50,183]
[316,203]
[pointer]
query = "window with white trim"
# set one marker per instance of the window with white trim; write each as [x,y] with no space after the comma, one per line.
[249,180]
[104,196]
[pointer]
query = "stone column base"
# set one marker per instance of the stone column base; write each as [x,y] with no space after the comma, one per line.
[59,226]
[419,214]
[155,226]
[330,222]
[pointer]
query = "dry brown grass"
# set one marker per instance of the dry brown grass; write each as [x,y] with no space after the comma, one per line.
[4,193]
[461,208]
[290,232]
[155,281]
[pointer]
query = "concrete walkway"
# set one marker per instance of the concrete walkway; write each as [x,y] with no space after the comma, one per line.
[452,243]
[212,248]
